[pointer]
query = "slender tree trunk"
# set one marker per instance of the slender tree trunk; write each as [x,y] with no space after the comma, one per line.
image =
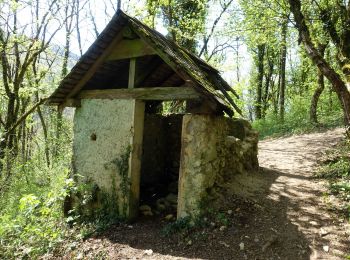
[318,91]
[77,26]
[265,96]
[303,77]
[260,78]
[268,81]
[315,98]
[171,21]
[283,69]
[237,59]
[6,143]
[21,133]
[59,117]
[45,132]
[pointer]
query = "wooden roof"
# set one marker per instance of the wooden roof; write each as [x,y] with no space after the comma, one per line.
[172,60]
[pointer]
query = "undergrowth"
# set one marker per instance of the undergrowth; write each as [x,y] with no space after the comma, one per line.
[32,222]
[336,170]
[297,121]
[31,218]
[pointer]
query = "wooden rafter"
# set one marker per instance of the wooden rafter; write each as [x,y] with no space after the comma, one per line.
[147,72]
[87,76]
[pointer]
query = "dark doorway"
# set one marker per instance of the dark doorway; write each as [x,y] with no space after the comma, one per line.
[160,164]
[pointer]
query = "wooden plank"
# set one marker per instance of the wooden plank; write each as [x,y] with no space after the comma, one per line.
[87,76]
[159,93]
[132,71]
[127,49]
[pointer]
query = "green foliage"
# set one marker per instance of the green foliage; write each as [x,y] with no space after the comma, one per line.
[341,188]
[184,19]
[32,223]
[336,169]
[222,219]
[31,215]
[297,118]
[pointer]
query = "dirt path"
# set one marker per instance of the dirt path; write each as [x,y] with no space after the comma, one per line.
[295,159]
[282,215]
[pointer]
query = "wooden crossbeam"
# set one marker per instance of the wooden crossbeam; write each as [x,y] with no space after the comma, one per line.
[158,93]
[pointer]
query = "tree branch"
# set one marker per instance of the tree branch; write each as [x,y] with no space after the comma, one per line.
[22,118]
[329,27]
[206,39]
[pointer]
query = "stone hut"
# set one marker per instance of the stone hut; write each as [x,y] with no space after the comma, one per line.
[127,149]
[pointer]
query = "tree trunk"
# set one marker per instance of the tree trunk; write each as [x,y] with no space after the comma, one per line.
[6,142]
[338,84]
[315,98]
[268,81]
[283,68]
[260,78]
[59,117]
[318,91]
[45,132]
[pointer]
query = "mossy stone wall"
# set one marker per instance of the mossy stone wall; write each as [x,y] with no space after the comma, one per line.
[214,149]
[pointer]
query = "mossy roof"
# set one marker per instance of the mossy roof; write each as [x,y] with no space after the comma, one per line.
[193,70]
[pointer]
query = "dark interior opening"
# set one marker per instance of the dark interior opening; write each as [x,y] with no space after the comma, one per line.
[160,164]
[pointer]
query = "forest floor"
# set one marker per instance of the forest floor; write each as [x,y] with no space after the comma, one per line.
[282,212]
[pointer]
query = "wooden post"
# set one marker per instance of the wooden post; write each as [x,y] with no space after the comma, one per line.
[135,159]
[132,68]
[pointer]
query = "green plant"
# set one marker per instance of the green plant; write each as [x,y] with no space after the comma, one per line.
[341,188]
[37,227]
[222,219]
[181,225]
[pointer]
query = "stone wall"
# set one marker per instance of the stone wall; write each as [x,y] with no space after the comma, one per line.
[214,149]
